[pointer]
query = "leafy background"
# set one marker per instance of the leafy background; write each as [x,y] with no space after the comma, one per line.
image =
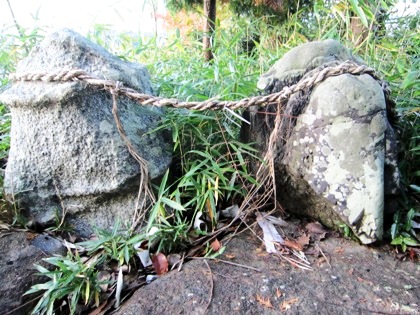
[212,170]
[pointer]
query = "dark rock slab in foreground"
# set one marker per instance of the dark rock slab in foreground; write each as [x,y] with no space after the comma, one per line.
[360,280]
[19,251]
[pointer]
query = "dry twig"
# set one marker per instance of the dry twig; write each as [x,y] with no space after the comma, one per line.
[228,262]
[211,287]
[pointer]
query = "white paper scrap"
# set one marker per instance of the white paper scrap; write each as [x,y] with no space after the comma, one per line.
[271,236]
[143,254]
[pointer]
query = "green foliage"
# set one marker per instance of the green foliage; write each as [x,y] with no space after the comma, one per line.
[13,48]
[346,230]
[166,218]
[177,5]
[211,168]
[117,244]
[210,163]
[273,12]
[402,231]
[231,75]
[75,278]
[409,130]
[5,122]
[72,280]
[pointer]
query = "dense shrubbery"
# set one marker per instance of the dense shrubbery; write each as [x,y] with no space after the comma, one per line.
[211,160]
[388,44]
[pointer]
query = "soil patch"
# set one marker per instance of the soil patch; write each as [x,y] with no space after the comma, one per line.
[350,279]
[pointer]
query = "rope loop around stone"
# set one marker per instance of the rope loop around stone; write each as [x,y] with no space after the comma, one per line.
[114,87]
[265,175]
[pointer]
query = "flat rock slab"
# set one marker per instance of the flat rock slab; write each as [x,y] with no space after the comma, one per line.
[357,280]
[19,251]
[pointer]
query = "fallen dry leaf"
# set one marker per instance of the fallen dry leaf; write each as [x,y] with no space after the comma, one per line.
[215,245]
[304,240]
[286,305]
[412,254]
[271,235]
[160,263]
[315,227]
[321,261]
[278,293]
[339,250]
[293,245]
[262,254]
[230,256]
[30,236]
[4,226]
[264,302]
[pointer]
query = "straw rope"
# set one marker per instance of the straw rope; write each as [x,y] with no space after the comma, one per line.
[211,104]
[265,174]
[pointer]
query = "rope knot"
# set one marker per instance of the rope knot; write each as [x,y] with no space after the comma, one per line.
[117,88]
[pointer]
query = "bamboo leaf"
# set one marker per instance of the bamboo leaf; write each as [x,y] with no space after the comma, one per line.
[173,204]
[359,12]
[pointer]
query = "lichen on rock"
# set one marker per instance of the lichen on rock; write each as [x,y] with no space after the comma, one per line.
[335,144]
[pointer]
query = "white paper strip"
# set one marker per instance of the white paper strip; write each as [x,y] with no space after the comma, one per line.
[271,236]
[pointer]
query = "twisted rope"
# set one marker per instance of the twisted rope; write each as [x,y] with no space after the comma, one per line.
[265,174]
[212,104]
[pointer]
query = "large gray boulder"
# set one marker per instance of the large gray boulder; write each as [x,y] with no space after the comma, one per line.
[65,148]
[335,145]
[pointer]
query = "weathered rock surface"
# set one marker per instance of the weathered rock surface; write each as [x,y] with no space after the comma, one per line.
[355,280]
[335,144]
[295,63]
[346,279]
[65,147]
[19,251]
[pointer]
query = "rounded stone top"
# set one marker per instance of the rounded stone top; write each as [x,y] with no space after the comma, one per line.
[303,58]
[65,49]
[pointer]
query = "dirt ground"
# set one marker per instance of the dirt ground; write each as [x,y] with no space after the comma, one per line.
[346,278]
